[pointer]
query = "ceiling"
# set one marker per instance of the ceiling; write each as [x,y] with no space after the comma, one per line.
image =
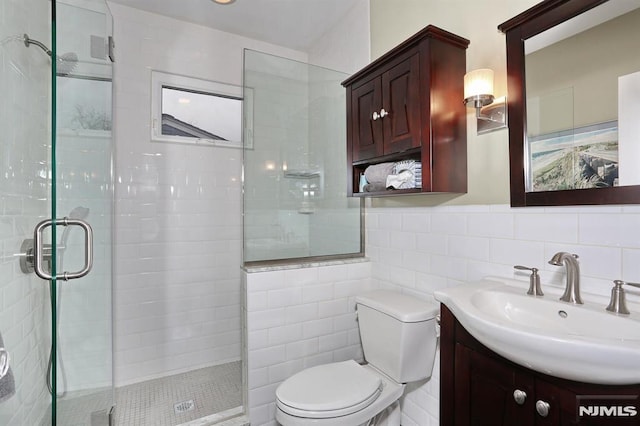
[295,24]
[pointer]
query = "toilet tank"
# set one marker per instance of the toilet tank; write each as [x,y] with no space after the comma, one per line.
[398,334]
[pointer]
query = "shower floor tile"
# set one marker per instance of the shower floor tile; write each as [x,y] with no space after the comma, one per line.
[199,393]
[167,401]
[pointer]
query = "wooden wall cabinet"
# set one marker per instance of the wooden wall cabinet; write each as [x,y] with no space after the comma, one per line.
[479,387]
[407,105]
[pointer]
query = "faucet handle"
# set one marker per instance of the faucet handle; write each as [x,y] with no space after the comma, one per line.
[524,268]
[534,280]
[618,304]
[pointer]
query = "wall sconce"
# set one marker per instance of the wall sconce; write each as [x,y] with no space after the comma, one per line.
[478,93]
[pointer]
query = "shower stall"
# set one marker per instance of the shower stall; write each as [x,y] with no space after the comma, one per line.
[171,269]
[56,81]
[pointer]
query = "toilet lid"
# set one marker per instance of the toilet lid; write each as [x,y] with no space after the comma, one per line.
[329,390]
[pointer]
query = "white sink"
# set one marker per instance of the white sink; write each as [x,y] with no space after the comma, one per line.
[577,342]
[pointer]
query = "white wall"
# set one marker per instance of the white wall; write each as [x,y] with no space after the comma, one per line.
[178,207]
[346,46]
[24,201]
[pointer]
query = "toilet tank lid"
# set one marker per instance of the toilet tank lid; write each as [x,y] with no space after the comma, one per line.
[400,306]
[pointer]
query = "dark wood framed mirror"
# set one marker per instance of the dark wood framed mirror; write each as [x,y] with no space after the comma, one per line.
[574,141]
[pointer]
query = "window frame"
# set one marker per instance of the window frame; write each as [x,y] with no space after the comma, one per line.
[160,80]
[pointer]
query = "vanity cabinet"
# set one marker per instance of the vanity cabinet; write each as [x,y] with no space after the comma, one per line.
[407,105]
[479,387]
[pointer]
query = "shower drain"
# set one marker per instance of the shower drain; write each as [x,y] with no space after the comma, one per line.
[184,406]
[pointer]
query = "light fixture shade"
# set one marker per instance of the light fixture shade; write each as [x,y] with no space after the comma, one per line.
[224,1]
[478,82]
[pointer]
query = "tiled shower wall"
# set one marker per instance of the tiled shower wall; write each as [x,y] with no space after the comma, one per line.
[333,227]
[273,227]
[178,207]
[298,128]
[24,201]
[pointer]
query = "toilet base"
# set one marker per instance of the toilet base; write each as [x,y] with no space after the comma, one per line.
[390,416]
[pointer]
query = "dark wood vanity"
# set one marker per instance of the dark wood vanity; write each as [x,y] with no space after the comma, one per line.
[407,105]
[479,387]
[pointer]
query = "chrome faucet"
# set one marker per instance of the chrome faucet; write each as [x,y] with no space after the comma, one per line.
[572,289]
[618,304]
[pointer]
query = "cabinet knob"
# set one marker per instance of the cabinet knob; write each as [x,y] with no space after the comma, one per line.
[519,396]
[542,407]
[383,113]
[375,115]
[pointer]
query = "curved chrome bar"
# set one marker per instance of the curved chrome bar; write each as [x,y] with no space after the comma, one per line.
[38,248]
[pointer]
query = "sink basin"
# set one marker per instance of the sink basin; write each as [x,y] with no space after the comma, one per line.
[576,342]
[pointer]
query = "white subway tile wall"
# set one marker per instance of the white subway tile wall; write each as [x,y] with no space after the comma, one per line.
[24,201]
[298,318]
[178,235]
[457,244]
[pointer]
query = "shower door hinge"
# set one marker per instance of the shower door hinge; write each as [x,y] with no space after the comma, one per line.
[111,48]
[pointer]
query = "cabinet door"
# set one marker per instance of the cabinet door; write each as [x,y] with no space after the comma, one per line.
[401,101]
[366,100]
[484,392]
[563,404]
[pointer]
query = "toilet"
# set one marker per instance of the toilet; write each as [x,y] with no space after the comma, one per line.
[398,334]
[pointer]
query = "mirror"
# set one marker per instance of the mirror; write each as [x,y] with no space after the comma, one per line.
[573,76]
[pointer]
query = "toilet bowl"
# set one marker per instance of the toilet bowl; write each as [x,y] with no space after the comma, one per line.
[398,336]
[343,394]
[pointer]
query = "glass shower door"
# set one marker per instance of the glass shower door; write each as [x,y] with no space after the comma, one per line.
[84,191]
[57,333]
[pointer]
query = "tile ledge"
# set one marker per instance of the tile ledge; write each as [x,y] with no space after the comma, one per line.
[303,265]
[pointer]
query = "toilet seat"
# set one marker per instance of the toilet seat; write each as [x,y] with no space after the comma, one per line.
[329,390]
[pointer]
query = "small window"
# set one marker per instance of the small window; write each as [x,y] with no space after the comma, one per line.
[191,110]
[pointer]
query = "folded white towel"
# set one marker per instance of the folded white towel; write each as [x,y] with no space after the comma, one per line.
[402,180]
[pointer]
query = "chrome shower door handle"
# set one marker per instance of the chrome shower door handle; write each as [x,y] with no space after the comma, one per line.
[38,247]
